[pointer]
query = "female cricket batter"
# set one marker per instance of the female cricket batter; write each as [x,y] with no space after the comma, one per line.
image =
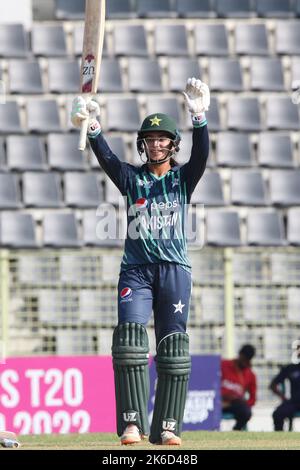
[155,270]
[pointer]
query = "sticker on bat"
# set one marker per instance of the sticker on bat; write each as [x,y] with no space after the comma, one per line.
[88,73]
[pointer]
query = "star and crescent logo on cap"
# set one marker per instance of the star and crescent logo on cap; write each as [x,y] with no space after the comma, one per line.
[155,121]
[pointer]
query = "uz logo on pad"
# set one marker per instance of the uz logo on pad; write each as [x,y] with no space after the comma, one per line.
[169,425]
[128,417]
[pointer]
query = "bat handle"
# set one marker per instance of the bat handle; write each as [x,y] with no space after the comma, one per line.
[83,134]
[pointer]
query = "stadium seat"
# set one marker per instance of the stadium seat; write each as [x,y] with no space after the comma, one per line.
[170,106]
[287,38]
[293,226]
[171,40]
[194,9]
[155,9]
[63,153]
[82,190]
[43,116]
[247,268]
[112,193]
[211,40]
[285,187]
[285,268]
[78,41]
[248,188]
[10,118]
[222,228]
[63,76]
[60,230]
[298,7]
[102,229]
[185,150]
[75,342]
[265,228]
[66,10]
[3,165]
[209,190]
[48,41]
[262,305]
[58,307]
[212,305]
[179,68]
[123,114]
[295,68]
[25,77]
[42,190]
[282,114]
[13,42]
[144,75]
[122,9]
[243,114]
[116,144]
[233,149]
[10,197]
[17,230]
[266,74]
[37,270]
[234,8]
[275,150]
[97,306]
[251,39]
[110,79]
[130,40]
[225,75]
[25,153]
[275,8]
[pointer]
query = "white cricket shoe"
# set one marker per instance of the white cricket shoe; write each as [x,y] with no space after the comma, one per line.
[168,438]
[131,435]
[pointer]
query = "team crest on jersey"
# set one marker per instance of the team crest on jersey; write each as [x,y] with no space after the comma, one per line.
[126,294]
[145,184]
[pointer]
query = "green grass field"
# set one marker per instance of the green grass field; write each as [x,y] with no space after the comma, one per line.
[199,440]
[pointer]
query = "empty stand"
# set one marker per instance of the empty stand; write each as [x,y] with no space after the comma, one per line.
[266,74]
[122,114]
[102,229]
[265,228]
[243,114]
[293,226]
[212,305]
[275,150]
[233,149]
[13,41]
[171,40]
[110,79]
[17,230]
[42,190]
[60,230]
[282,113]
[179,68]
[262,305]
[234,8]
[63,153]
[75,342]
[248,188]
[223,228]
[212,115]
[225,75]
[155,8]
[285,268]
[211,40]
[209,190]
[78,41]
[10,197]
[293,304]
[251,39]
[170,106]
[82,190]
[275,8]
[144,75]
[96,306]
[58,307]
[130,40]
[63,76]
[117,145]
[285,187]
[48,40]
[288,37]
[3,165]
[194,9]
[25,77]
[43,116]
[116,9]
[66,10]
[25,153]
[10,118]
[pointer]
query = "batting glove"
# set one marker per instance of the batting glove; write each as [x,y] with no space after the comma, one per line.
[82,110]
[197,97]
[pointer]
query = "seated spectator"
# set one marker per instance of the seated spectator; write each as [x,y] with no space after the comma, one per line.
[289,406]
[237,380]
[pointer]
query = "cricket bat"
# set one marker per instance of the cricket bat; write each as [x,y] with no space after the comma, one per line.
[93,38]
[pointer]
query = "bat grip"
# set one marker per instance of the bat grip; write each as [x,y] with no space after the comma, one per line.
[83,134]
